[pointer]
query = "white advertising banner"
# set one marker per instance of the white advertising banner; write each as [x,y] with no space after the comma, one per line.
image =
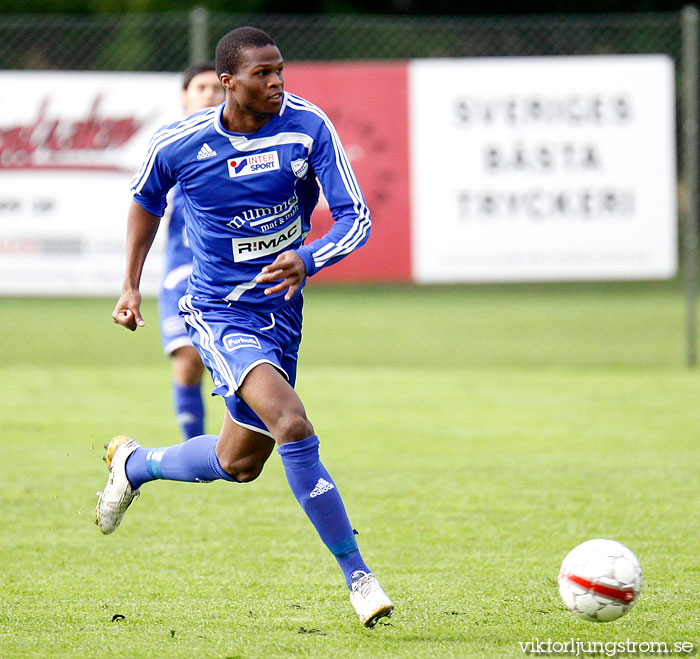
[69,145]
[529,169]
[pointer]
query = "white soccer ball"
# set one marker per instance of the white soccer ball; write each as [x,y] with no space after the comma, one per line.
[600,580]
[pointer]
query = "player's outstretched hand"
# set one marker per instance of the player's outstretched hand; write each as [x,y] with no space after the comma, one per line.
[287,267]
[127,311]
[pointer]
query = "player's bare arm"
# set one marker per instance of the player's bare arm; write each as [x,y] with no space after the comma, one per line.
[289,267]
[140,233]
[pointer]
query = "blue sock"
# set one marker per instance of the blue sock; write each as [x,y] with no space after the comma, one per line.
[317,494]
[193,461]
[189,409]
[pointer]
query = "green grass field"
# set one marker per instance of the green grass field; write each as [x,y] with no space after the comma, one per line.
[477,434]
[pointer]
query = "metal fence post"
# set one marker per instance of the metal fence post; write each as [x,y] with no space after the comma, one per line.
[199,37]
[691,162]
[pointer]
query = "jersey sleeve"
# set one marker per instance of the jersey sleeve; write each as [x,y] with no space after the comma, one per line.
[351,217]
[154,178]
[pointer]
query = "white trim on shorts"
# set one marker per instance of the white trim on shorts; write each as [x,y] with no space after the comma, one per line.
[257,363]
[263,431]
[179,342]
[247,426]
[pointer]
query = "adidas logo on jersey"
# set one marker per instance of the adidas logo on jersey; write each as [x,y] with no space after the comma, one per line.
[321,487]
[205,152]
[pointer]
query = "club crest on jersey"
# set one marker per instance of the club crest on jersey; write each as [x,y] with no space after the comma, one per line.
[235,341]
[249,248]
[300,167]
[257,164]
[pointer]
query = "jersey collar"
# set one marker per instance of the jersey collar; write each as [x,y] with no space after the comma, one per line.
[236,137]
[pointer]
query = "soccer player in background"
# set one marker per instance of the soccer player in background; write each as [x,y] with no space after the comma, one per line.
[248,172]
[201,88]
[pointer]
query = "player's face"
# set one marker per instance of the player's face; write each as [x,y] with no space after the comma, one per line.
[203,91]
[256,88]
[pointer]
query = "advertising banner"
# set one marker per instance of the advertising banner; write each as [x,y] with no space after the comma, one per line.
[69,145]
[475,170]
[559,168]
[367,103]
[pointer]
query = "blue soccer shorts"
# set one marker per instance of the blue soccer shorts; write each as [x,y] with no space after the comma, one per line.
[232,340]
[173,331]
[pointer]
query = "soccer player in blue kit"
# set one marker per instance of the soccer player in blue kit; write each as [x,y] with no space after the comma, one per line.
[201,88]
[248,173]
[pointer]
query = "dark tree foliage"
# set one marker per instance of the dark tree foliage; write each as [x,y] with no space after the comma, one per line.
[427,7]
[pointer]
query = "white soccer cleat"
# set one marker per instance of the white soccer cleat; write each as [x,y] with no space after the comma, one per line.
[369,600]
[117,496]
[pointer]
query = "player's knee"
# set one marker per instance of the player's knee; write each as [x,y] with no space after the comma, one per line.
[245,469]
[249,475]
[292,428]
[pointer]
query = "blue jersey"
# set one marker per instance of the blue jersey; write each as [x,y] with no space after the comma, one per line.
[248,197]
[178,255]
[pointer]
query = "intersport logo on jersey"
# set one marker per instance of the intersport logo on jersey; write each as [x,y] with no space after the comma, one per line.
[257,164]
[247,249]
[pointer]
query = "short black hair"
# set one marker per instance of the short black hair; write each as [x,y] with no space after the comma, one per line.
[194,70]
[232,44]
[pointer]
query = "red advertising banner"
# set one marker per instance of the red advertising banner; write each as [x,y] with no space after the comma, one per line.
[368,104]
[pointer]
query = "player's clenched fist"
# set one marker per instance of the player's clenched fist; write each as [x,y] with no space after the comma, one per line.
[127,311]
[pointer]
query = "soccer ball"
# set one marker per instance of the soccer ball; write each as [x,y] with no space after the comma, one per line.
[600,580]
